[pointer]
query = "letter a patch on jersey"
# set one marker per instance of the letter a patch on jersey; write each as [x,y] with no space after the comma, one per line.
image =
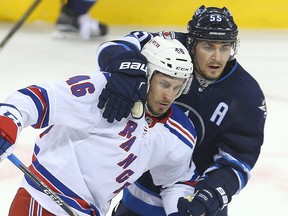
[219,113]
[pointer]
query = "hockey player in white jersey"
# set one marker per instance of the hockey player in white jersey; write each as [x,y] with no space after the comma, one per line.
[87,161]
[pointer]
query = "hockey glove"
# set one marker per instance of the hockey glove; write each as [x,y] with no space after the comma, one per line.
[126,88]
[8,135]
[207,201]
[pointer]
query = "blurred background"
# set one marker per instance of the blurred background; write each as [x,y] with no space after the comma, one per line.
[32,56]
[247,13]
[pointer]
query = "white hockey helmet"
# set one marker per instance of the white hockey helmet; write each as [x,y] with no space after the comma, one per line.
[170,57]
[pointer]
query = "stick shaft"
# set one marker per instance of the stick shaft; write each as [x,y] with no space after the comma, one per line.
[19,23]
[41,185]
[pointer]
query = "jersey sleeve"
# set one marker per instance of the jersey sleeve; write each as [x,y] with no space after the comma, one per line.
[171,195]
[60,103]
[241,141]
[132,43]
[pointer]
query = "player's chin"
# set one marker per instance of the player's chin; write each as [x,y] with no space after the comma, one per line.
[214,74]
[161,111]
[157,112]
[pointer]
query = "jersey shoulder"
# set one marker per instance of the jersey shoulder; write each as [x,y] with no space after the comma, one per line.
[242,93]
[237,82]
[182,124]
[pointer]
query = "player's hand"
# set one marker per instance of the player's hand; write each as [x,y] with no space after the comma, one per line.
[207,201]
[185,205]
[126,86]
[8,135]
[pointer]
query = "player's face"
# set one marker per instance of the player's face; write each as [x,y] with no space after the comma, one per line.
[210,58]
[162,92]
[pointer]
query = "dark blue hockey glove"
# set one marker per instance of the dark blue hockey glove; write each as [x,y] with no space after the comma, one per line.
[126,86]
[207,201]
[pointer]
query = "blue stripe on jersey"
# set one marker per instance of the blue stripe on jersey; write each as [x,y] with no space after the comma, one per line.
[241,179]
[129,46]
[239,174]
[6,112]
[137,205]
[183,128]
[39,210]
[123,45]
[179,135]
[242,170]
[233,162]
[106,75]
[227,75]
[36,149]
[31,207]
[10,105]
[179,116]
[40,98]
[67,195]
[193,180]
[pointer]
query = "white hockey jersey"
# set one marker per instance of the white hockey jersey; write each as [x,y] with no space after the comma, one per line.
[86,160]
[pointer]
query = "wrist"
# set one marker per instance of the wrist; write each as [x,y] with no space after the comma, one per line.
[223,197]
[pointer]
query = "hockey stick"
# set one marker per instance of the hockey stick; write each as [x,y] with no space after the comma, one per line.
[41,185]
[19,23]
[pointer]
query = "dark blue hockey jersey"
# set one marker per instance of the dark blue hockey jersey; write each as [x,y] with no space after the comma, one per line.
[229,116]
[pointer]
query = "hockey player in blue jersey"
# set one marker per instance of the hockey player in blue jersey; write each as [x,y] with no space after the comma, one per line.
[225,102]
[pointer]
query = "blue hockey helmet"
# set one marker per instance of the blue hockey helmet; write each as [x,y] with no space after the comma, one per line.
[212,23]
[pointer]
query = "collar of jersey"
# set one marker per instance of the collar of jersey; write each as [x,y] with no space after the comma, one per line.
[152,120]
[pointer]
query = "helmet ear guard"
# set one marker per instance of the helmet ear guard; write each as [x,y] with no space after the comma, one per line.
[168,56]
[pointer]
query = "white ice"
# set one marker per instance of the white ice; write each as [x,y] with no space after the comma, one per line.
[32,56]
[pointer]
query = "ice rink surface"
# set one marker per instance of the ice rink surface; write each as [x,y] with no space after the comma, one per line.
[33,56]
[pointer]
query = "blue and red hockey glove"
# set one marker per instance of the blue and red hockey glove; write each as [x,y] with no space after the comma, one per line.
[8,135]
